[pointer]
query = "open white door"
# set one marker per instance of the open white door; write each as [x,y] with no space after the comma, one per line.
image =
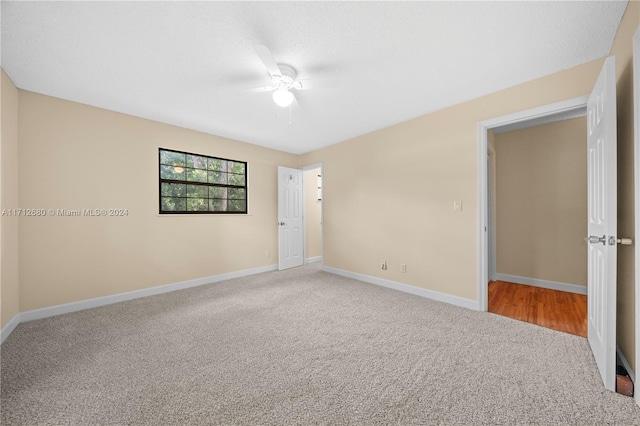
[636,178]
[290,222]
[602,211]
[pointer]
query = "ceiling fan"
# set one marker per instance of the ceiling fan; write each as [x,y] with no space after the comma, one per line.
[283,78]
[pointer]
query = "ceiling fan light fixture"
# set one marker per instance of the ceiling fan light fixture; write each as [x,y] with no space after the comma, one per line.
[283,97]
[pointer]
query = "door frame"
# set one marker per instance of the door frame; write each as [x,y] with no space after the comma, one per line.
[543,114]
[304,212]
[491,214]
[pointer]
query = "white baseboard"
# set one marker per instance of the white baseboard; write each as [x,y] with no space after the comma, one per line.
[122,297]
[9,327]
[423,292]
[552,285]
[313,259]
[626,365]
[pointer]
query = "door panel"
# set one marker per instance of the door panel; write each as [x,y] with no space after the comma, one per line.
[290,221]
[602,223]
[636,172]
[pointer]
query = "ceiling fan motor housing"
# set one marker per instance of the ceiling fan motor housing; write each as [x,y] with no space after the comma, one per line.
[287,79]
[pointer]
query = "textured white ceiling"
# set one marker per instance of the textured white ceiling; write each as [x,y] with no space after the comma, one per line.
[377,63]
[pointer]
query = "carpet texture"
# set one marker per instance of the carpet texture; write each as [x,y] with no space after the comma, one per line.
[298,347]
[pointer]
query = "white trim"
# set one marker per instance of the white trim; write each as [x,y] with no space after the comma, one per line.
[483,212]
[636,178]
[545,119]
[313,259]
[130,295]
[9,327]
[491,226]
[483,128]
[627,367]
[423,292]
[553,285]
[537,113]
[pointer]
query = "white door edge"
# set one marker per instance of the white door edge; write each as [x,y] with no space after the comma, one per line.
[636,177]
[483,127]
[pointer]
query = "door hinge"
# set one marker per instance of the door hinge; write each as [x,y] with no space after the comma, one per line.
[594,239]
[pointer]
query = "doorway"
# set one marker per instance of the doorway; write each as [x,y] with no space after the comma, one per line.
[300,216]
[543,115]
[537,219]
[313,201]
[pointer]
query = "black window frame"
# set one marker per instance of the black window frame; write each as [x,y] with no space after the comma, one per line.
[162,180]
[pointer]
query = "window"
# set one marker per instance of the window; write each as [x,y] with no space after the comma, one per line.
[192,184]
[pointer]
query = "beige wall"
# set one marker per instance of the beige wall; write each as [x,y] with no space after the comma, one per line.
[541,199]
[623,50]
[389,194]
[9,284]
[313,214]
[73,156]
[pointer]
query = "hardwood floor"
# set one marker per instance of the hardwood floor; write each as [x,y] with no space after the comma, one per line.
[553,309]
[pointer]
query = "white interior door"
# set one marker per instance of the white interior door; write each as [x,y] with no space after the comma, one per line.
[636,172]
[290,222]
[602,211]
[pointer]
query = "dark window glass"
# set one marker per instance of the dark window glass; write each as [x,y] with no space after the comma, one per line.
[193,183]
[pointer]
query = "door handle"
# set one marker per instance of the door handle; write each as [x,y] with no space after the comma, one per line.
[595,240]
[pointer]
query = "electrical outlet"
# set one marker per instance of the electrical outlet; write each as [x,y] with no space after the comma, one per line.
[403,267]
[457,206]
[383,264]
[267,254]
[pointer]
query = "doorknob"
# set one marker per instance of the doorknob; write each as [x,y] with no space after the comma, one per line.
[594,240]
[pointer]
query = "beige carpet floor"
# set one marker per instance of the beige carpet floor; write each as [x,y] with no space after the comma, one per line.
[298,347]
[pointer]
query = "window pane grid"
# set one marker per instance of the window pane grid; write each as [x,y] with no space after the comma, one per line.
[192,183]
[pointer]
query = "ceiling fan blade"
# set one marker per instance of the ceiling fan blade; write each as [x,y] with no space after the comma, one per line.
[267,59]
[295,101]
[317,83]
[261,89]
